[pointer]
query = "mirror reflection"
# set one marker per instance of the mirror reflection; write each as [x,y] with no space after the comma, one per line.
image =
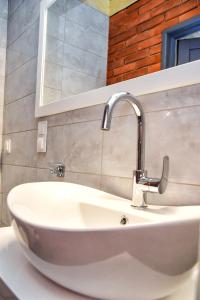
[93,43]
[76,49]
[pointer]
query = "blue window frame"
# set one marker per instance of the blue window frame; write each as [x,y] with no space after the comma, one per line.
[170,37]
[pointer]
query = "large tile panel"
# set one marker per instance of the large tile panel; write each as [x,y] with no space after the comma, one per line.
[177,194]
[174,133]
[23,49]
[85,147]
[15,175]
[120,147]
[3,32]
[25,14]
[118,186]
[90,180]
[19,115]
[21,82]
[57,148]
[23,151]
[4,9]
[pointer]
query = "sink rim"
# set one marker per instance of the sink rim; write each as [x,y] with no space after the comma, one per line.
[145,213]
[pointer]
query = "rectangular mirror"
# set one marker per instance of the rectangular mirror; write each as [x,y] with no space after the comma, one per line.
[73,47]
[76,50]
[89,47]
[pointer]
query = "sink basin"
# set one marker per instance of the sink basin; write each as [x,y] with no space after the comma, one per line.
[96,244]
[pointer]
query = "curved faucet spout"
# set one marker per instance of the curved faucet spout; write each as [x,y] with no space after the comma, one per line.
[107,116]
[141,183]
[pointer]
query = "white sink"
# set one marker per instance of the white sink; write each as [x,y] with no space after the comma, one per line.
[72,234]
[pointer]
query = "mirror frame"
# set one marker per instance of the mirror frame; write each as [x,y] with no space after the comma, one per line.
[166,79]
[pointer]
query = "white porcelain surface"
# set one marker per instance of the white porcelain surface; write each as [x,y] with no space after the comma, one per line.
[26,283]
[72,234]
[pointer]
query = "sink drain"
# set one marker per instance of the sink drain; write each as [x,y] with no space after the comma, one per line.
[124,220]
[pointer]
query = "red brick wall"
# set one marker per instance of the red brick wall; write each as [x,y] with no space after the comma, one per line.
[135,36]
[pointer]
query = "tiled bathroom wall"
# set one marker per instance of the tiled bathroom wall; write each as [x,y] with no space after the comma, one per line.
[3,38]
[76,50]
[92,157]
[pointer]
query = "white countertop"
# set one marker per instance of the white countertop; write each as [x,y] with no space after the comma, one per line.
[28,284]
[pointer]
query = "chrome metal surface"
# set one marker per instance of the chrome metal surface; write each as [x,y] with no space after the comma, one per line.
[141,182]
[107,116]
[58,170]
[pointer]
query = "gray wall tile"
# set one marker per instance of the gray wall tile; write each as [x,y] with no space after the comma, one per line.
[23,149]
[4,9]
[31,12]
[12,5]
[1,119]
[19,115]
[55,25]
[90,180]
[23,49]
[23,17]
[53,76]
[176,194]
[85,39]
[74,82]
[21,82]
[57,147]
[3,32]
[175,133]
[2,83]
[92,113]
[59,7]
[15,175]
[6,218]
[175,98]
[118,186]
[54,50]
[2,61]
[119,147]
[15,24]
[165,100]
[85,147]
[87,17]
[84,61]
[51,95]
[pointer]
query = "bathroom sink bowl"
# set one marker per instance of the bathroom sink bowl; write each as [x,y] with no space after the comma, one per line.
[96,244]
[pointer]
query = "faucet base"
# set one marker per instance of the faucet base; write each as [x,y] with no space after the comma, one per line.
[139,195]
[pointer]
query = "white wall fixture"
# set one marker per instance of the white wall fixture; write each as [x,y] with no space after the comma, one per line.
[42,136]
[8,146]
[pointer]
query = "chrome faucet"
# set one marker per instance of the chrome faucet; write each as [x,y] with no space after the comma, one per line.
[141,183]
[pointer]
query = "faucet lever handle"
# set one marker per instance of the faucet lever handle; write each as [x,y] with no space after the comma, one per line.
[165,174]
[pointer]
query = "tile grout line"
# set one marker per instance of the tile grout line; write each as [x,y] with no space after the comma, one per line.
[27,28]
[19,67]
[95,174]
[9,15]
[9,103]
